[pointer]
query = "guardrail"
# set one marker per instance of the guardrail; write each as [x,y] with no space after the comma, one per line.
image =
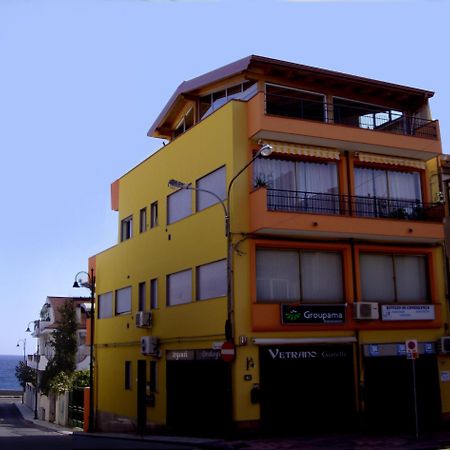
[356,206]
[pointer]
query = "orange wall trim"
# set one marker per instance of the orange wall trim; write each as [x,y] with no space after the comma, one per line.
[267,317]
[87,409]
[261,124]
[92,264]
[115,195]
[334,225]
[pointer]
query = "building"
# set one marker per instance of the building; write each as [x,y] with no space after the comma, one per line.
[50,407]
[337,259]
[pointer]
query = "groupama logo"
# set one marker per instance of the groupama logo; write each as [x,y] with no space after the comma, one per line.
[325,314]
[292,314]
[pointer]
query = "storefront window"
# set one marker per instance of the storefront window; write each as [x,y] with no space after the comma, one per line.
[298,276]
[393,278]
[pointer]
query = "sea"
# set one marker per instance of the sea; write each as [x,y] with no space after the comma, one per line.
[8,380]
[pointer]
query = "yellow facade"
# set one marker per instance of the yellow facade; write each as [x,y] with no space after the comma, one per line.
[227,138]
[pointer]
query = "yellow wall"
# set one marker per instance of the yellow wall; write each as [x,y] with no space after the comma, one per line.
[165,249]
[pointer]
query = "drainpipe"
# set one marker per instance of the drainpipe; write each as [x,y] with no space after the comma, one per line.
[357,337]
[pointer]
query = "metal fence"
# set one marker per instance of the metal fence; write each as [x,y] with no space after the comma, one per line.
[353,115]
[347,205]
[76,408]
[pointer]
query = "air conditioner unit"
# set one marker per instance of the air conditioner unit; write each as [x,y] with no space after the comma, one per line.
[149,345]
[366,311]
[144,319]
[444,345]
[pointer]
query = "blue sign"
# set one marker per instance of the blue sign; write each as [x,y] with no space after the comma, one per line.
[401,349]
[374,350]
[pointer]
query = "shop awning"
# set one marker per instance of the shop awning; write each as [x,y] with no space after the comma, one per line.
[382,159]
[287,148]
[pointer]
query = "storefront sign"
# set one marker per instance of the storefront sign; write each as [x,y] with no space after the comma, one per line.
[397,349]
[278,353]
[323,314]
[180,355]
[401,349]
[193,355]
[407,312]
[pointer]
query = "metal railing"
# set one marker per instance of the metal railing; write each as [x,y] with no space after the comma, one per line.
[364,116]
[351,205]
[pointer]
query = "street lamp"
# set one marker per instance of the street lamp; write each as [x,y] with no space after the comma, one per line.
[24,344]
[37,324]
[264,150]
[90,284]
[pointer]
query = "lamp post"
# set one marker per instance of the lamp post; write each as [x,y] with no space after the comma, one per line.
[264,150]
[37,324]
[90,284]
[24,345]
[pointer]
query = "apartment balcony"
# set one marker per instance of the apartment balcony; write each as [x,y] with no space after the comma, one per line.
[37,361]
[296,213]
[342,125]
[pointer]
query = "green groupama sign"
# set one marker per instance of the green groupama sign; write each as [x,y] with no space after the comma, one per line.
[315,314]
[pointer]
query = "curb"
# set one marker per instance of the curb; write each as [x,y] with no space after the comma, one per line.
[194,441]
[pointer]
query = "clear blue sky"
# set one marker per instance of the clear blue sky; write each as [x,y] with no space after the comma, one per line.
[81,81]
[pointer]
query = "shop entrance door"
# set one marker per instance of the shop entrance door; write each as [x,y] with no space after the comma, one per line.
[198,396]
[307,389]
[389,396]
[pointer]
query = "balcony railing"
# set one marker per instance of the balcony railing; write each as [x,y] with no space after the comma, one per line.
[353,115]
[350,205]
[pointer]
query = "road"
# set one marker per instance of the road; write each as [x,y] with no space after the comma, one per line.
[19,434]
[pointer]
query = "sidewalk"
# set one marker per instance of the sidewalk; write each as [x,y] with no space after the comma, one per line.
[203,443]
[354,441]
[28,415]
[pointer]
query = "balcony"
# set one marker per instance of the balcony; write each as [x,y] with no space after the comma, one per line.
[307,214]
[351,114]
[347,205]
[343,124]
[37,361]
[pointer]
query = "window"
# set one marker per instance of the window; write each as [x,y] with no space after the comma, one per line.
[153,214]
[365,115]
[179,288]
[123,300]
[105,305]
[393,278]
[301,176]
[154,293]
[126,228]
[212,280]
[387,184]
[299,276]
[386,193]
[141,296]
[142,220]
[213,101]
[214,182]
[289,102]
[299,185]
[185,123]
[127,375]
[179,205]
[81,338]
[153,376]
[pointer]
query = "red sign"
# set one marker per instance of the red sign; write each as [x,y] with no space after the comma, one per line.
[412,349]
[228,351]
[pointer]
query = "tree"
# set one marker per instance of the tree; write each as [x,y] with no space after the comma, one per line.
[64,341]
[25,374]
